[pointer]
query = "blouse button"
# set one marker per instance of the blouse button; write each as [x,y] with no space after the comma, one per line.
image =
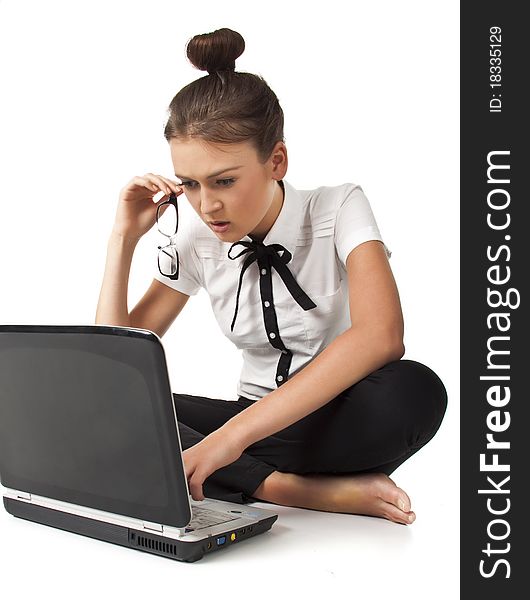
[272,335]
[280,378]
[263,271]
[267,303]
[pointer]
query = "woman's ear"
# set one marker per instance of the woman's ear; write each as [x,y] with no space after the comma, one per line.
[279,161]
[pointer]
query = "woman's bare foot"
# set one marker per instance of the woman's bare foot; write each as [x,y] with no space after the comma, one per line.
[373,494]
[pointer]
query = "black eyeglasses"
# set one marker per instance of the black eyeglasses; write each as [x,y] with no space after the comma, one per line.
[168,224]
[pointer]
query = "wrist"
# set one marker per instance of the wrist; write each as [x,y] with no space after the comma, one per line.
[236,432]
[117,237]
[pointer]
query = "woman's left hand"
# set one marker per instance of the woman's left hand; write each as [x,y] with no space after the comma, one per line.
[213,452]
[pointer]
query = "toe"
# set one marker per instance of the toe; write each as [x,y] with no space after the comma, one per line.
[397,497]
[393,513]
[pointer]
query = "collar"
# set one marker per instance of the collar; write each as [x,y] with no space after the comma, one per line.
[285,229]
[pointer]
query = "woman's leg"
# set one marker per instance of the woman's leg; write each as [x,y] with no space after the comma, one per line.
[371,427]
[199,416]
[346,449]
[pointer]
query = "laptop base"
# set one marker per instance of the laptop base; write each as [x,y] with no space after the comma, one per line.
[189,551]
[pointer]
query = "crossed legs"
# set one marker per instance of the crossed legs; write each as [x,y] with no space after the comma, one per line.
[339,457]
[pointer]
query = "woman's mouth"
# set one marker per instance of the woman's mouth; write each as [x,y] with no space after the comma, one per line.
[220,226]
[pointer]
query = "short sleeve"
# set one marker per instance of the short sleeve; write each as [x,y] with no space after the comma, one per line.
[355,223]
[190,280]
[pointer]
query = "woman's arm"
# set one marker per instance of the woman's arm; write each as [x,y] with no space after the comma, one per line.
[112,304]
[374,339]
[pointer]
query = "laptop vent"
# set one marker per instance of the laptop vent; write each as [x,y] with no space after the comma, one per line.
[156,545]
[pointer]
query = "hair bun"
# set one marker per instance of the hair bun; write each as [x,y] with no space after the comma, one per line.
[215,51]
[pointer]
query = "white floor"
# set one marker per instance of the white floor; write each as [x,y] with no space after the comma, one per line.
[306,554]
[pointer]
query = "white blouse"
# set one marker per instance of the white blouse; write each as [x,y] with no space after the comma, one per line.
[277,336]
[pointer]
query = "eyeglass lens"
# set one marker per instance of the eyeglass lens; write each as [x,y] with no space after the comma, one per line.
[168,220]
[168,260]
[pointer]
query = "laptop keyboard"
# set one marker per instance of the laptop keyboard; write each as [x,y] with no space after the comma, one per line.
[205,517]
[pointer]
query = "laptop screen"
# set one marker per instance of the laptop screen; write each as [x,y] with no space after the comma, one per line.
[86,417]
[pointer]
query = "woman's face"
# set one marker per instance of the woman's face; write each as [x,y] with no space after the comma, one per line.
[246,193]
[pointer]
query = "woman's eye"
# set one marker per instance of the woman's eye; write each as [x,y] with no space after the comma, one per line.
[224,182]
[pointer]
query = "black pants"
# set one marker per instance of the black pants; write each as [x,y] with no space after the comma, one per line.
[373,426]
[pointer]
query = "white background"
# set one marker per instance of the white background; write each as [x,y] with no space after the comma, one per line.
[370,92]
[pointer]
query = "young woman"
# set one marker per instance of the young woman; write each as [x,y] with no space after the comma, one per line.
[299,280]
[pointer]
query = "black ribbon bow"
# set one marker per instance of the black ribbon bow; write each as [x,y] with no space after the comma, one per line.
[267,256]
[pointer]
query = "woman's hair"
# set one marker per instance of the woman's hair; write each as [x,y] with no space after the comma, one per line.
[225,106]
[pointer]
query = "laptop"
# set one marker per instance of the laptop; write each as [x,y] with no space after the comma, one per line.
[89,443]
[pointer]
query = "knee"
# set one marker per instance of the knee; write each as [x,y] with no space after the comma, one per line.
[426,383]
[419,388]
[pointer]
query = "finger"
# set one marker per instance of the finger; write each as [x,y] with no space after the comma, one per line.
[146,183]
[188,470]
[149,182]
[196,488]
[161,183]
[175,187]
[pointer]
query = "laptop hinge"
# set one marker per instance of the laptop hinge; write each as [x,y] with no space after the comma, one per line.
[24,496]
[153,527]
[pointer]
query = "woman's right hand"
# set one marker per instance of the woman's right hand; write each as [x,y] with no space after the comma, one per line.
[136,211]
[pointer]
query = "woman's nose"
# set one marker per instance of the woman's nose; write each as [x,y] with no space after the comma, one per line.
[209,204]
